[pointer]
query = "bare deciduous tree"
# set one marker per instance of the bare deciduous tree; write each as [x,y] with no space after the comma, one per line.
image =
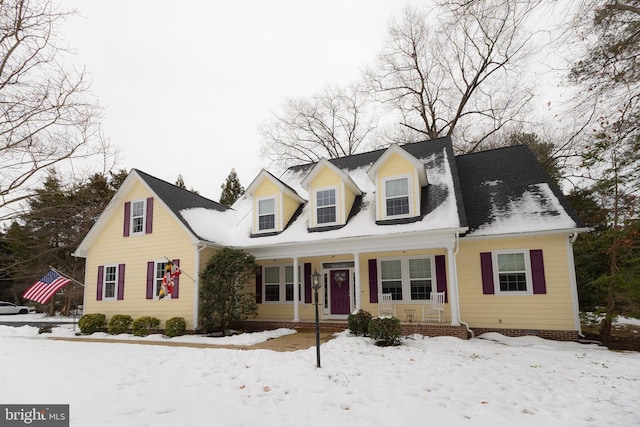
[455,70]
[333,123]
[46,116]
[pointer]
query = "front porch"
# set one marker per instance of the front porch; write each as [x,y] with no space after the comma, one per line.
[408,328]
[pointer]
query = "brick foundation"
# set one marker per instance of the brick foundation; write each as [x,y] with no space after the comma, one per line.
[427,329]
[542,333]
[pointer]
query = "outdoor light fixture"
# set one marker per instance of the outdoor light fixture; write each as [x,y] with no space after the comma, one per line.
[315,285]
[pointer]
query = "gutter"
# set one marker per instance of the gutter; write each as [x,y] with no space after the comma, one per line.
[455,254]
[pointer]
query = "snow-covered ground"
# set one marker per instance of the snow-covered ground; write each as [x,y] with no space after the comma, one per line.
[487,381]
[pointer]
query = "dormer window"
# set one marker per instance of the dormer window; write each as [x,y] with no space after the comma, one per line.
[397,196]
[326,206]
[267,214]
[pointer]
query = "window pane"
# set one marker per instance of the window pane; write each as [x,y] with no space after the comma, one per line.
[391,269]
[511,262]
[110,274]
[272,275]
[420,268]
[393,287]
[137,217]
[137,209]
[513,282]
[326,197]
[272,293]
[110,290]
[326,215]
[398,206]
[397,187]
[266,206]
[267,222]
[289,292]
[420,289]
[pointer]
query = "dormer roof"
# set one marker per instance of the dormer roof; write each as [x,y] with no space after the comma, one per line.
[396,149]
[264,174]
[324,163]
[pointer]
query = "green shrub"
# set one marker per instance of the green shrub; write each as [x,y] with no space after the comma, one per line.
[119,324]
[385,330]
[359,322]
[90,323]
[175,327]
[143,326]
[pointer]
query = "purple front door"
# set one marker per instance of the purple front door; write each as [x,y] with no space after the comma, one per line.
[340,292]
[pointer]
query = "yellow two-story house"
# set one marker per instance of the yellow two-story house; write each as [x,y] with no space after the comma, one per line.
[488,231]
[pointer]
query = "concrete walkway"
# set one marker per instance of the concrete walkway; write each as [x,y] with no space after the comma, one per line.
[292,342]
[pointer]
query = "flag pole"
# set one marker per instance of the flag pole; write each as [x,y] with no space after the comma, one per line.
[181,270]
[67,276]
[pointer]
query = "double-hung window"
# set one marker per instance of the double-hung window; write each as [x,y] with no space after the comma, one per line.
[157,282]
[396,193]
[279,283]
[137,217]
[110,282]
[326,206]
[407,278]
[266,214]
[512,272]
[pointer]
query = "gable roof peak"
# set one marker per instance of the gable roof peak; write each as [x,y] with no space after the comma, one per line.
[265,174]
[324,163]
[396,149]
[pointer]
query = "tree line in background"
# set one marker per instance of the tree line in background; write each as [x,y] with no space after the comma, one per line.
[446,69]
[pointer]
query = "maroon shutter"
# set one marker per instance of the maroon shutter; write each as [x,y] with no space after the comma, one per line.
[487,273]
[120,281]
[176,282]
[100,283]
[373,281]
[259,286]
[537,272]
[307,283]
[441,276]
[149,218]
[151,276]
[127,219]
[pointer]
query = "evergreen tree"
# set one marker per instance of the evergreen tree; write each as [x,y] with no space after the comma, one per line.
[231,189]
[224,291]
[180,182]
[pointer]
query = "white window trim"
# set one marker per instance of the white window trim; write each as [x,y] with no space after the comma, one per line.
[157,280]
[282,284]
[144,218]
[409,179]
[104,283]
[275,215]
[496,275]
[336,206]
[405,276]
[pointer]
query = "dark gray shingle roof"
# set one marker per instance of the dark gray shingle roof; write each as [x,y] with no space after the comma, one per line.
[177,198]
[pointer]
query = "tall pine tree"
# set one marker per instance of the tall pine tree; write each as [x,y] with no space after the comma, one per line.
[232,190]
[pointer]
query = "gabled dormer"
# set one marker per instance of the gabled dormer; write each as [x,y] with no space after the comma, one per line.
[332,194]
[399,178]
[274,204]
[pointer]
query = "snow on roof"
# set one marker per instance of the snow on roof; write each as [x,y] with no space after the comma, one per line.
[233,227]
[538,209]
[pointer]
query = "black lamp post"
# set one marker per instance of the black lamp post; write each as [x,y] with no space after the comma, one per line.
[315,286]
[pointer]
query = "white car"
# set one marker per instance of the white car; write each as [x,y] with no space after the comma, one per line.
[9,308]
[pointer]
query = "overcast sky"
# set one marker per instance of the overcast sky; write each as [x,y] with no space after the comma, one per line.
[185,85]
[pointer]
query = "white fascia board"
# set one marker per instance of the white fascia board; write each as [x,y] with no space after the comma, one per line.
[525,234]
[349,245]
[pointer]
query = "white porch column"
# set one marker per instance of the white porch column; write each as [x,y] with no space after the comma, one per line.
[454,302]
[296,291]
[357,288]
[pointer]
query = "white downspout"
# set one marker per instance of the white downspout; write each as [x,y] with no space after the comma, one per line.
[571,238]
[196,286]
[357,286]
[455,280]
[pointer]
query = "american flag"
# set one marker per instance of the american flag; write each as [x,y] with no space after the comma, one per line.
[46,287]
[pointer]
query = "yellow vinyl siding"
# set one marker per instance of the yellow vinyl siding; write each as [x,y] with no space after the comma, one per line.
[326,178]
[552,311]
[349,199]
[266,189]
[289,207]
[168,238]
[397,166]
